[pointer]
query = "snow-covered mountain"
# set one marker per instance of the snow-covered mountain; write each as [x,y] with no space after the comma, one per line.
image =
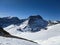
[33,24]
[6,21]
[51,36]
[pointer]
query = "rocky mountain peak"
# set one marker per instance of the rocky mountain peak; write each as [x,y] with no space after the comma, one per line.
[35,17]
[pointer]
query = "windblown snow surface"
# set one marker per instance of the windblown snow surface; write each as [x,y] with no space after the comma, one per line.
[51,36]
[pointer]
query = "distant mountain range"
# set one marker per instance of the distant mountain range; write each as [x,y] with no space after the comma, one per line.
[31,24]
[6,21]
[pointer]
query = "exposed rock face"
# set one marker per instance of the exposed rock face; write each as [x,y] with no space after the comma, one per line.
[3,32]
[33,18]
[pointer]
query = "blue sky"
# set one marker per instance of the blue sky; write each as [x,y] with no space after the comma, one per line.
[48,9]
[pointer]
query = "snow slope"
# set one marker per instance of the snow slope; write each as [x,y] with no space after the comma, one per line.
[43,37]
[12,41]
[51,36]
[43,34]
[52,41]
